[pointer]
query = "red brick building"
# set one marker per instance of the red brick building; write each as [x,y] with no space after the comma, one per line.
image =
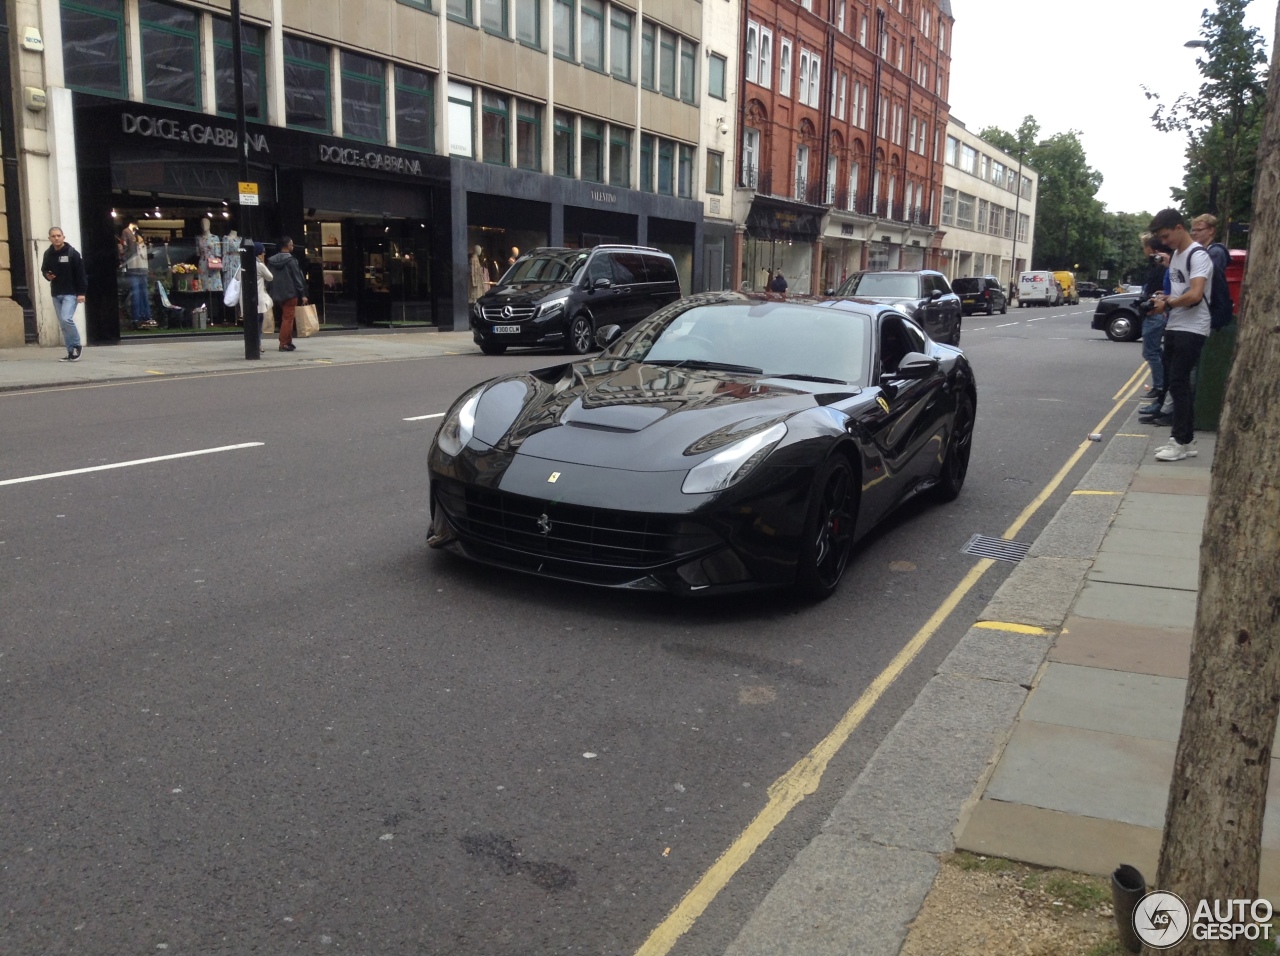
[842,118]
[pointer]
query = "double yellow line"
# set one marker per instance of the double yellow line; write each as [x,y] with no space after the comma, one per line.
[803,778]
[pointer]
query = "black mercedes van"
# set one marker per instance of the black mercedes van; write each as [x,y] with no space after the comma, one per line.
[559,297]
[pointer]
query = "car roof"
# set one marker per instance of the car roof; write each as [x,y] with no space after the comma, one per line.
[608,246]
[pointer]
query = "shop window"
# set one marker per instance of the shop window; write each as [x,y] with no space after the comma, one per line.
[620,43]
[458,10]
[667,63]
[619,156]
[461,105]
[715,172]
[170,54]
[688,71]
[592,135]
[716,72]
[593,35]
[562,29]
[493,16]
[684,184]
[529,22]
[528,135]
[495,124]
[646,163]
[648,37]
[415,110]
[306,84]
[563,143]
[364,98]
[253,47]
[93,46]
[666,167]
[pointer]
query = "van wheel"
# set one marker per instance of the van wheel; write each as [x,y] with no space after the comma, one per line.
[1004,309]
[579,336]
[490,348]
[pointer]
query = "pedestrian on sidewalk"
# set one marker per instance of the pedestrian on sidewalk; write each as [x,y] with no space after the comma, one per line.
[1204,229]
[264,277]
[64,268]
[779,283]
[1188,326]
[1153,328]
[287,288]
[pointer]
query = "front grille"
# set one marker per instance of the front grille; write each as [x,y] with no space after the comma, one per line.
[494,313]
[529,530]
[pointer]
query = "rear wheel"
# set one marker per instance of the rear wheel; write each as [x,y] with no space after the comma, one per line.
[492,348]
[1004,307]
[991,307]
[956,465]
[579,336]
[828,530]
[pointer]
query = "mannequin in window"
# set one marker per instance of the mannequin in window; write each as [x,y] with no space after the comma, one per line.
[515,254]
[209,249]
[479,275]
[133,248]
[230,255]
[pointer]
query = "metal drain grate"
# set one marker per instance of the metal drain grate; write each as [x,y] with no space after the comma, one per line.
[983,546]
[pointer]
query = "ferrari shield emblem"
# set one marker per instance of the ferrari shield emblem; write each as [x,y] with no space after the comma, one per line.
[883,403]
[555,475]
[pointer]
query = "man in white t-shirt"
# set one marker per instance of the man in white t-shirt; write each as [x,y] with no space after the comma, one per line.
[1187,305]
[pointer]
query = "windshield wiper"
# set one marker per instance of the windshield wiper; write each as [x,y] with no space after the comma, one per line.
[710,366]
[802,377]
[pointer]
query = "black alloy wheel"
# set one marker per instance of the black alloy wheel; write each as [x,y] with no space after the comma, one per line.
[991,307]
[492,348]
[828,530]
[580,336]
[956,464]
[1121,327]
[1004,307]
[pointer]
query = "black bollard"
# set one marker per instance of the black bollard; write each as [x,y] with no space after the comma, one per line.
[1127,887]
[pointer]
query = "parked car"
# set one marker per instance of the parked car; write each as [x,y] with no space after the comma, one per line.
[1091,290]
[730,441]
[1038,288]
[924,296]
[1119,316]
[980,294]
[559,297]
[1067,282]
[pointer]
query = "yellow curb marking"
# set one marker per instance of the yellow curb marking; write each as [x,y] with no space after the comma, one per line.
[1097,492]
[803,778]
[1015,628]
[152,371]
[1130,435]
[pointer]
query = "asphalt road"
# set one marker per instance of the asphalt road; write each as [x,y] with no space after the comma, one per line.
[246,710]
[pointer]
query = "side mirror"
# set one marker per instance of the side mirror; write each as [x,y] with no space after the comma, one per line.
[915,365]
[606,335]
[935,295]
[602,283]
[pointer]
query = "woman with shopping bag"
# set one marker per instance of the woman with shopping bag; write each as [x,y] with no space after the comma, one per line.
[287,287]
[264,301]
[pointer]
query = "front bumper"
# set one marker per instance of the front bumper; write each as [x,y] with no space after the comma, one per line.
[549,332]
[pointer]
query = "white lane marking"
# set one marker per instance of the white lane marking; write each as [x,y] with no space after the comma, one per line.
[130,464]
[423,418]
[1006,325]
[1041,319]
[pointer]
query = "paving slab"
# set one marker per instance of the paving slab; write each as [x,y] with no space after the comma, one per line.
[1038,593]
[1151,607]
[1199,467]
[1155,570]
[1077,530]
[1172,485]
[1116,702]
[1140,541]
[997,655]
[1163,652]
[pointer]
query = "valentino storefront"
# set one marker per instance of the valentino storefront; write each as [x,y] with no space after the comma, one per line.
[160,221]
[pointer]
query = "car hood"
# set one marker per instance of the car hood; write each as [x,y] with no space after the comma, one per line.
[528,293]
[634,416]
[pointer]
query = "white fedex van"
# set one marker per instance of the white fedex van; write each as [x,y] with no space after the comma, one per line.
[1038,288]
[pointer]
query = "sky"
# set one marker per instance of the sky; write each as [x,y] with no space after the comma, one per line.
[1081,66]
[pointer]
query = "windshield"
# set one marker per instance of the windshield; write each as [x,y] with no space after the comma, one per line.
[777,338]
[890,285]
[546,267]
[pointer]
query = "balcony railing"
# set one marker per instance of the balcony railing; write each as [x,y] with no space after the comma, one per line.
[750,176]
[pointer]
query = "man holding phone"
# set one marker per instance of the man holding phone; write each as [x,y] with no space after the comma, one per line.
[64,268]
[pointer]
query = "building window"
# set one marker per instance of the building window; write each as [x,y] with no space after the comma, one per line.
[751,68]
[528,135]
[529,23]
[415,110]
[646,163]
[1024,226]
[93,46]
[306,84]
[593,35]
[647,44]
[984,166]
[170,54]
[458,10]
[592,136]
[844,86]
[948,206]
[495,126]
[716,76]
[810,78]
[899,115]
[666,167]
[953,149]
[715,172]
[964,211]
[667,63]
[851,202]
[784,67]
[619,156]
[911,135]
[968,158]
[840,16]
[833,170]
[996,224]
[684,172]
[253,46]
[984,209]
[750,157]
[563,143]
[802,172]
[364,98]
[862,30]
[562,28]
[620,43]
[689,71]
[461,121]
[493,16]
[766,57]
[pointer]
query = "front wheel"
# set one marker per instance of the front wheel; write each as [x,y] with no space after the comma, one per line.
[1120,327]
[956,463]
[828,529]
[579,336]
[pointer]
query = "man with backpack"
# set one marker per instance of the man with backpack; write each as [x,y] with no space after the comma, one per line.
[1203,230]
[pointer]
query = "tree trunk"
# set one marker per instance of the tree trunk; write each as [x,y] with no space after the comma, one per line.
[1213,827]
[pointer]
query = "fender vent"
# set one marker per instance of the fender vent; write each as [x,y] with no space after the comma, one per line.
[983,546]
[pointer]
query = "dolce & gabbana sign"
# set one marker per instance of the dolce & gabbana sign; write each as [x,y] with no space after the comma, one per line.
[177,131]
[370,159]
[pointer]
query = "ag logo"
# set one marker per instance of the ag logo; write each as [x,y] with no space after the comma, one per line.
[883,403]
[1161,919]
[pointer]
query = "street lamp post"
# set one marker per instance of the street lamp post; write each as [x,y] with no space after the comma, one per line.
[248,261]
[1017,203]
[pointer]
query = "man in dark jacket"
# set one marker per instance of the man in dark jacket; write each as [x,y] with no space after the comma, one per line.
[287,288]
[778,283]
[64,269]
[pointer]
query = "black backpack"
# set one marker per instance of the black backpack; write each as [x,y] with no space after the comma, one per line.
[1221,308]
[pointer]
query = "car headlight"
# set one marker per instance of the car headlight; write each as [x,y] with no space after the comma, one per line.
[730,466]
[552,307]
[459,426]
[477,311]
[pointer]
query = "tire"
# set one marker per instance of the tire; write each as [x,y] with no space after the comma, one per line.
[828,530]
[991,308]
[955,466]
[1004,309]
[580,338]
[492,348]
[1121,326]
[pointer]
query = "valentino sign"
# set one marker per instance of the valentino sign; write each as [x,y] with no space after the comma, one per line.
[157,127]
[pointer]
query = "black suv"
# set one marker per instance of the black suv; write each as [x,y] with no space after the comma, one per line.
[923,296]
[559,297]
[980,294]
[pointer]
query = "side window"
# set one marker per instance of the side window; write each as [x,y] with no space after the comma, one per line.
[661,269]
[628,268]
[916,337]
[940,283]
[894,343]
[600,268]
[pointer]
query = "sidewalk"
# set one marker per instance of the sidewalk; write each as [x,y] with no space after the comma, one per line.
[34,367]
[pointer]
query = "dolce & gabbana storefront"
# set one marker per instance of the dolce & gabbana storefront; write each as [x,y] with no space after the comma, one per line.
[161,223]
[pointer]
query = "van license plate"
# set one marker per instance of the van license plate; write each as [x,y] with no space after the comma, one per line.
[968,301]
[506,328]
